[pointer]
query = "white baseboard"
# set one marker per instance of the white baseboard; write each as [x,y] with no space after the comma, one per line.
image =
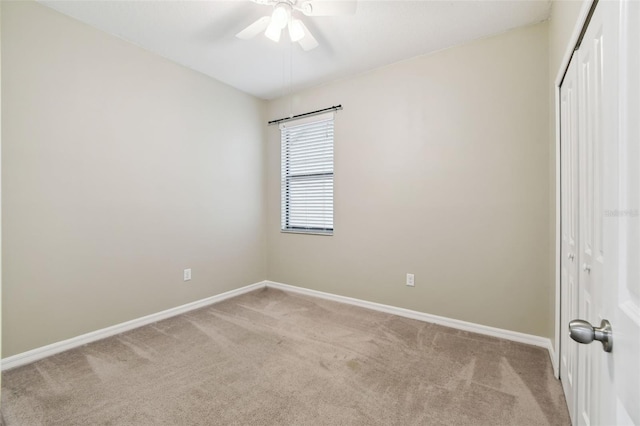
[421,316]
[54,348]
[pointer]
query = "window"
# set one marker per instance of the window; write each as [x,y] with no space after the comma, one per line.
[307,175]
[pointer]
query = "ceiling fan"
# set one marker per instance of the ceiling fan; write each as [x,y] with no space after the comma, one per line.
[282,16]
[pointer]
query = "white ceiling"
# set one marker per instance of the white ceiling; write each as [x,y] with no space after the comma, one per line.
[200,35]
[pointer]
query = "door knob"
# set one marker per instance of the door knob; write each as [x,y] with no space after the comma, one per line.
[583,332]
[586,268]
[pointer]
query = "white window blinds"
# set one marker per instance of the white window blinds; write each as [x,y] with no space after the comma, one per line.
[307,175]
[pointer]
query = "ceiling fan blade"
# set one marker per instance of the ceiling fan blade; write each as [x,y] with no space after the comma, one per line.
[328,7]
[254,29]
[307,42]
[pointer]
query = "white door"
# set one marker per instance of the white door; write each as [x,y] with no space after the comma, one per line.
[609,237]
[569,231]
[590,254]
[620,390]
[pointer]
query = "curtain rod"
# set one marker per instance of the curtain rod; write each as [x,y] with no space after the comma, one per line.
[306,114]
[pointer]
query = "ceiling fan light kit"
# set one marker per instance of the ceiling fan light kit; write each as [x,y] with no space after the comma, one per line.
[281,17]
[273,32]
[296,31]
[281,14]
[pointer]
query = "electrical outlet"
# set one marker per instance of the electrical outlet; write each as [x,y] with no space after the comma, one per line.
[187,274]
[410,280]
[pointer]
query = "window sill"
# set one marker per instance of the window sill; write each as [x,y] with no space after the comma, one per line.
[295,231]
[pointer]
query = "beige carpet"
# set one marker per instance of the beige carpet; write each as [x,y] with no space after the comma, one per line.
[275,358]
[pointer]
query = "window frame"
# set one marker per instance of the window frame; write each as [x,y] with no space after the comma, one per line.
[287,177]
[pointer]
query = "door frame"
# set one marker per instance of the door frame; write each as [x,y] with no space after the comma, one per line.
[578,28]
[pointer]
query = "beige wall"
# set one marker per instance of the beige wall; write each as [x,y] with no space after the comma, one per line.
[564,15]
[119,170]
[441,170]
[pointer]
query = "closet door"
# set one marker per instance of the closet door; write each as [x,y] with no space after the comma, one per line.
[608,378]
[590,257]
[569,231]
